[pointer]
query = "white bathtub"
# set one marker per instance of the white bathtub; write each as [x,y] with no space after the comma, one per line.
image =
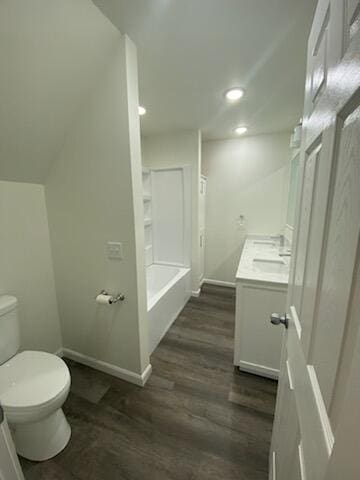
[168,290]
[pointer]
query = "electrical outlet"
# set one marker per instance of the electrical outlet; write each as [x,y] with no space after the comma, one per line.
[114,250]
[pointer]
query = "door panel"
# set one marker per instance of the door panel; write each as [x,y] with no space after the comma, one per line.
[345,460]
[322,341]
[310,169]
[340,256]
[314,423]
[287,451]
[351,19]
[318,228]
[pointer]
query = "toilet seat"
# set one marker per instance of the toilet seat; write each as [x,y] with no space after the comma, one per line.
[32,384]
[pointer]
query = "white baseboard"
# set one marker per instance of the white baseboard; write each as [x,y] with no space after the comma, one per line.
[196,293]
[59,352]
[113,370]
[259,370]
[220,283]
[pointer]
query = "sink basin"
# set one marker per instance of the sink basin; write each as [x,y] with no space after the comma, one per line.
[268,243]
[270,265]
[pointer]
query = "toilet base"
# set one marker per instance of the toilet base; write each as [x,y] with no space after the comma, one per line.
[41,440]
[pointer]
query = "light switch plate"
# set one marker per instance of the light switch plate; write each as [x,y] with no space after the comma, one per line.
[114,250]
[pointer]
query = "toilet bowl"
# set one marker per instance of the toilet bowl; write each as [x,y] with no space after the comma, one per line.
[33,388]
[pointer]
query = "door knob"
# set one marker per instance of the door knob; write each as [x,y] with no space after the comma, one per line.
[276,319]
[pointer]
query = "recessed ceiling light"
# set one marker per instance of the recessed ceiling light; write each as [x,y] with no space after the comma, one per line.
[234,94]
[240,130]
[142,110]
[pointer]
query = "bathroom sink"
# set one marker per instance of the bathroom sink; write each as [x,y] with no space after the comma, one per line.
[268,243]
[270,265]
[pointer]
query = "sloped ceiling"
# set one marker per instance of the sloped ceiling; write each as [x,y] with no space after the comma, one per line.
[51,55]
[191,51]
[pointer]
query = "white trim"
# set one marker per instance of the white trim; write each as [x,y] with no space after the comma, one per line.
[296,321]
[323,415]
[113,370]
[146,374]
[273,469]
[301,461]
[289,233]
[259,369]
[59,352]
[196,293]
[289,374]
[220,283]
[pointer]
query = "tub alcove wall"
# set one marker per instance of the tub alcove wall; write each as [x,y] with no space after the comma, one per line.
[167,224]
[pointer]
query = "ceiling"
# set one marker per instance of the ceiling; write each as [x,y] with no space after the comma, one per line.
[51,55]
[191,51]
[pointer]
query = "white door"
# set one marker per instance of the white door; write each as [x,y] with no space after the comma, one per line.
[317,420]
[10,468]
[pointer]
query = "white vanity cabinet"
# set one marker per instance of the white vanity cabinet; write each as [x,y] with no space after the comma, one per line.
[261,288]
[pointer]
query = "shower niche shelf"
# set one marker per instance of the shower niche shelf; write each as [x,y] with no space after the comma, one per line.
[147,201]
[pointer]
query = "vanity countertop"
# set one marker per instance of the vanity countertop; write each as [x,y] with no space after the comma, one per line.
[260,261]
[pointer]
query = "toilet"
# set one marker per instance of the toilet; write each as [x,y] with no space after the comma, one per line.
[33,388]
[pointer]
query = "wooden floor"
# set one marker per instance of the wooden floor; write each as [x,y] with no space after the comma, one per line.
[195,419]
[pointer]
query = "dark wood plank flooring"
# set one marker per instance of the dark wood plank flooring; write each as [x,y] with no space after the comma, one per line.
[196,419]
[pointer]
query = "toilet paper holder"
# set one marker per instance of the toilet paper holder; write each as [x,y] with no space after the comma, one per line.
[120,297]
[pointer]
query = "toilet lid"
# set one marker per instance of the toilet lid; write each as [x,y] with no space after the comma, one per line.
[32,378]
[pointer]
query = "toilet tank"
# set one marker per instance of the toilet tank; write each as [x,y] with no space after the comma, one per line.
[9,328]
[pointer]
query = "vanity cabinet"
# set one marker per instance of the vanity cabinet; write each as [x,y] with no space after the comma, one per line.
[261,288]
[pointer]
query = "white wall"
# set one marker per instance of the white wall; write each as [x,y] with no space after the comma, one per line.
[249,177]
[26,269]
[180,148]
[51,55]
[94,196]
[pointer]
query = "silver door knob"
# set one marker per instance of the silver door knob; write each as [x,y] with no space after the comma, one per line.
[276,319]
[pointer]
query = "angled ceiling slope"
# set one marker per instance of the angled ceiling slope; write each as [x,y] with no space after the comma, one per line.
[51,54]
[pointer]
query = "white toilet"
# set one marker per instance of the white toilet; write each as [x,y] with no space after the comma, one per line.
[33,388]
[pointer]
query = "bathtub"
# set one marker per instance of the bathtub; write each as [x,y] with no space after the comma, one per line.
[168,290]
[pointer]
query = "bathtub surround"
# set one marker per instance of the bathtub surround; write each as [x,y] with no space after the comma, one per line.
[171,216]
[179,149]
[167,226]
[255,171]
[94,196]
[26,268]
[168,292]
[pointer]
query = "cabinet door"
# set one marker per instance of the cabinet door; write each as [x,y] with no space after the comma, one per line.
[257,344]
